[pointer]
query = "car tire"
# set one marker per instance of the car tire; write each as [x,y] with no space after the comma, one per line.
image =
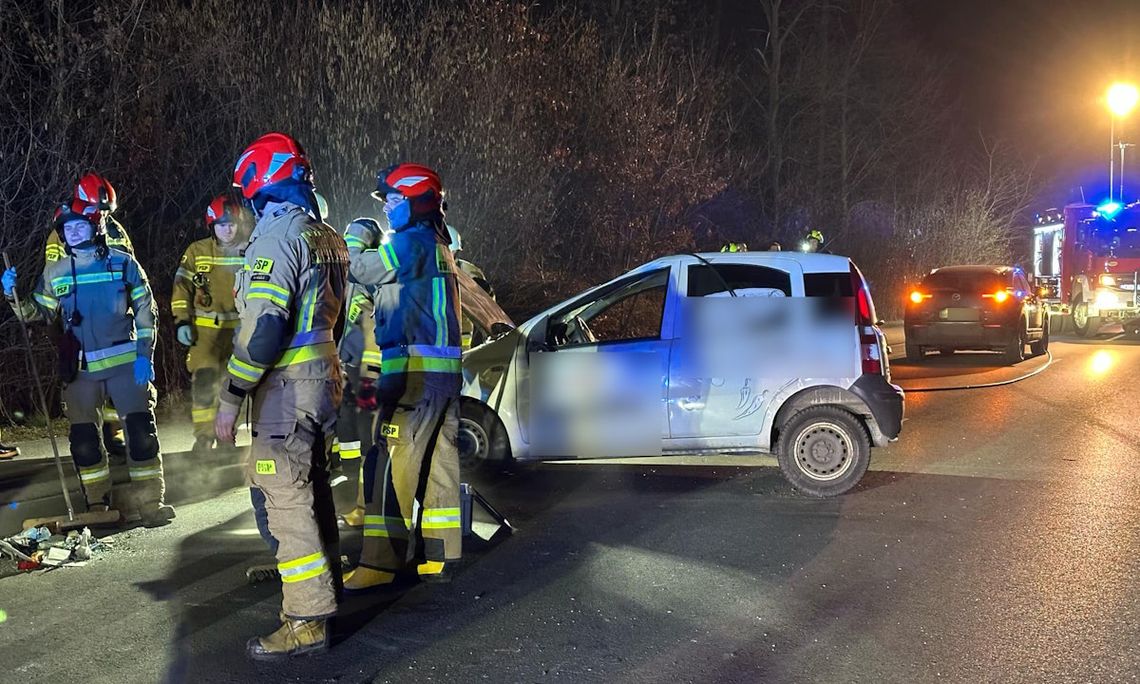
[914,353]
[1084,324]
[1041,346]
[823,450]
[1015,350]
[484,448]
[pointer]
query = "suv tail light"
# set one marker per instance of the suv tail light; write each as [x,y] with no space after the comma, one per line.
[870,351]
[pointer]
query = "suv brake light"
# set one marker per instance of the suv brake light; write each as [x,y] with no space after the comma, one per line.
[870,354]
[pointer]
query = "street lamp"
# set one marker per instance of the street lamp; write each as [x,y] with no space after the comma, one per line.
[1121,99]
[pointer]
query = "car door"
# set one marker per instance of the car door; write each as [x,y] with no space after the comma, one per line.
[718,394]
[596,387]
[1034,313]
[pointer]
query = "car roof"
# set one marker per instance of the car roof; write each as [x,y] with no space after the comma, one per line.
[979,270]
[808,262]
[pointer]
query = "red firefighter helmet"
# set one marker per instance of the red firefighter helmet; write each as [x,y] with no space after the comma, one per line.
[225,208]
[273,158]
[95,190]
[418,183]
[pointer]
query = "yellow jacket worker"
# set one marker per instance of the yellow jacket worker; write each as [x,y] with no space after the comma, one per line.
[205,314]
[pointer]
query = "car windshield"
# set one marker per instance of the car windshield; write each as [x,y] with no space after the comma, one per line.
[965,281]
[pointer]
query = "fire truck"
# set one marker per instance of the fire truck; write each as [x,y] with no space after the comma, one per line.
[1086,260]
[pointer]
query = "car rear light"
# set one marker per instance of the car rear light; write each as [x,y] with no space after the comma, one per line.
[999,296]
[870,354]
[918,297]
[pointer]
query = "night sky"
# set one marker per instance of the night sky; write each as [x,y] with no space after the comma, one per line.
[1035,72]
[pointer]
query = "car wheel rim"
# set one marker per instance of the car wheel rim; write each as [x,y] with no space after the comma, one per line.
[472,442]
[1081,315]
[824,452]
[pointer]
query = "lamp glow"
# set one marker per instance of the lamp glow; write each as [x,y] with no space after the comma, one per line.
[1122,99]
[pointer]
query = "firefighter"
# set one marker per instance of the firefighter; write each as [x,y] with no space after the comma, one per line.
[734,247]
[289,296]
[361,360]
[467,327]
[102,296]
[417,330]
[8,452]
[89,188]
[813,242]
[205,316]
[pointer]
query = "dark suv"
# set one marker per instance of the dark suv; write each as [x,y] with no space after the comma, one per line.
[975,308]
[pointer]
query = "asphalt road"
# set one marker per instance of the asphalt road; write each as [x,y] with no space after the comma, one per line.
[996,541]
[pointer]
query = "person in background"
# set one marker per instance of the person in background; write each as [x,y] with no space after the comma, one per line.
[205,315]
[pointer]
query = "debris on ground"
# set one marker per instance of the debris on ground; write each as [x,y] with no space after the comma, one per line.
[37,548]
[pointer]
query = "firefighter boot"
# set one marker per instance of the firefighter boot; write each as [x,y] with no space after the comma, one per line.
[434,572]
[364,579]
[293,638]
[156,514]
[354,518]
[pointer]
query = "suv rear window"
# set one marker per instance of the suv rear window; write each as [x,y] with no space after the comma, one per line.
[704,281]
[828,285]
[965,281]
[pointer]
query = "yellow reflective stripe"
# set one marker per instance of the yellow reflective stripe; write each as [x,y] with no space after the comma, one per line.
[271,296]
[243,370]
[438,297]
[336,446]
[179,304]
[421,364]
[203,415]
[138,293]
[146,473]
[349,450]
[144,333]
[440,518]
[353,241]
[111,361]
[388,257]
[306,567]
[309,352]
[270,287]
[209,322]
[110,414]
[220,260]
[184,274]
[46,301]
[385,526]
[308,305]
[95,474]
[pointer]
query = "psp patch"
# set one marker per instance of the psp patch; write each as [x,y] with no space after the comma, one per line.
[263,265]
[390,430]
[266,467]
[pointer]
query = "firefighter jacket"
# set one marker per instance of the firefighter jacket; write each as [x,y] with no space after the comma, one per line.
[116,236]
[102,297]
[416,301]
[204,285]
[358,345]
[289,296]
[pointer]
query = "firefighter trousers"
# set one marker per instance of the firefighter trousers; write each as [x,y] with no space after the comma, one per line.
[83,403]
[293,424]
[411,510]
[353,433]
[206,362]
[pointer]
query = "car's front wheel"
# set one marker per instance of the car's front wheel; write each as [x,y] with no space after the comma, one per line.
[482,441]
[1041,346]
[823,450]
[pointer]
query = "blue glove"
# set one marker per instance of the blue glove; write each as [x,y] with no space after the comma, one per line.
[9,280]
[144,370]
[185,335]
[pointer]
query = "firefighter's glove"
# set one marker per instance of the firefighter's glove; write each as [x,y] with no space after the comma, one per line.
[9,280]
[185,335]
[144,370]
[225,422]
[366,395]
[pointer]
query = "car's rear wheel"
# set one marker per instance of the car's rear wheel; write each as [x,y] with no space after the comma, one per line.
[482,440]
[1041,346]
[1083,323]
[823,450]
[914,353]
[1015,350]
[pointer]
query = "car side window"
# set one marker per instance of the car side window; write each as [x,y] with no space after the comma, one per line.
[1020,283]
[634,311]
[709,281]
